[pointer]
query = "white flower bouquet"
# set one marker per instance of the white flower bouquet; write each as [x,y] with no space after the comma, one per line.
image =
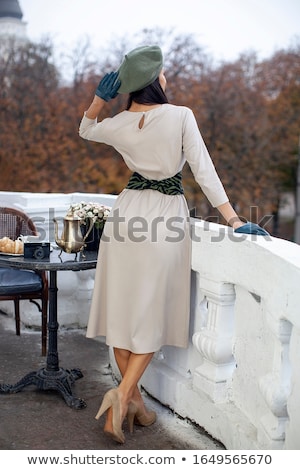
[98,213]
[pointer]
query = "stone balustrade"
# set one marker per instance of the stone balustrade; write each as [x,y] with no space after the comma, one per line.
[239,378]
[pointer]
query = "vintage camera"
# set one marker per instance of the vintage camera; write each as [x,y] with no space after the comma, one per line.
[37,250]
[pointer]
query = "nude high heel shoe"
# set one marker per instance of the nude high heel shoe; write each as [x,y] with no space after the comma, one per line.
[143,419]
[132,410]
[111,400]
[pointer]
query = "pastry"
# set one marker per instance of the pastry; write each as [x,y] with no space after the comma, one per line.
[11,246]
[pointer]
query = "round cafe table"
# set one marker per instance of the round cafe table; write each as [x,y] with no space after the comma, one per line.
[52,376]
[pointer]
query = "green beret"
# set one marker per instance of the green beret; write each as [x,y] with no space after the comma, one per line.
[140,68]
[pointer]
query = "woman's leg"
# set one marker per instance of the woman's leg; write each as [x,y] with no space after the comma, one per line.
[122,357]
[132,366]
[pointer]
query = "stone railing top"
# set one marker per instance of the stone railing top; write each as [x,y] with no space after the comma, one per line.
[285,249]
[25,200]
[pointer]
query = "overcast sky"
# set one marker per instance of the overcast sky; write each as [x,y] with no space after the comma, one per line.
[225,28]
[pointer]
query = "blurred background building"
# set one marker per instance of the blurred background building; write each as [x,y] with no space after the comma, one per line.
[11,25]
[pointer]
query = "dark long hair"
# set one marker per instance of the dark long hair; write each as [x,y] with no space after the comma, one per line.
[151,94]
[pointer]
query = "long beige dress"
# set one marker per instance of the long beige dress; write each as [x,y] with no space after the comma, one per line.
[141,298]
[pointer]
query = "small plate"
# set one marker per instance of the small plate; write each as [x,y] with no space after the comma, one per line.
[11,254]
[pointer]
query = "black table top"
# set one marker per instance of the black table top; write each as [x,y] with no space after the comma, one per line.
[58,261]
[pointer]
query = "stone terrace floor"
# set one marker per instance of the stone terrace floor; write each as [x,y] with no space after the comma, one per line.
[37,420]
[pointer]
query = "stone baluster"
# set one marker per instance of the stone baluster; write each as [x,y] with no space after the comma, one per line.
[275,387]
[214,341]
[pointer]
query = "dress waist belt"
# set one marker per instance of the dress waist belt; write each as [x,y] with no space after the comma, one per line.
[170,186]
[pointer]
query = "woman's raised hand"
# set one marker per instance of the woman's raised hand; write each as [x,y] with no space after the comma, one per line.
[108,86]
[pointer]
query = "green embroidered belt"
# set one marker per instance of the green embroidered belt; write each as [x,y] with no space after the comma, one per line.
[170,186]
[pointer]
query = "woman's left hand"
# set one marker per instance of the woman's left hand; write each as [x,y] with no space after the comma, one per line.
[250,228]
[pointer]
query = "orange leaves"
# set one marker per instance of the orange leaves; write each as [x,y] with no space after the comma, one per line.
[248,113]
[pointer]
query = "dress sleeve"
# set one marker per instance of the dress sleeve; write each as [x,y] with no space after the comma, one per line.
[200,162]
[91,129]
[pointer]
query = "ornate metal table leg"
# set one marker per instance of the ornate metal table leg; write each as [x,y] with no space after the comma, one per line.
[52,377]
[61,381]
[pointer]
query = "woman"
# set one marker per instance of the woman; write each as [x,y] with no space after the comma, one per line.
[142,283]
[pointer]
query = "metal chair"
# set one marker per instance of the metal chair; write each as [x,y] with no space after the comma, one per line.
[23,284]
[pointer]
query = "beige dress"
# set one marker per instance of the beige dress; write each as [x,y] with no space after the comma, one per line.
[141,298]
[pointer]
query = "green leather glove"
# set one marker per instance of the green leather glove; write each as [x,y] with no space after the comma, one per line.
[108,86]
[251,229]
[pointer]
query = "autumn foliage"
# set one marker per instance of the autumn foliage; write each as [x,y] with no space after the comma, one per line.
[248,112]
